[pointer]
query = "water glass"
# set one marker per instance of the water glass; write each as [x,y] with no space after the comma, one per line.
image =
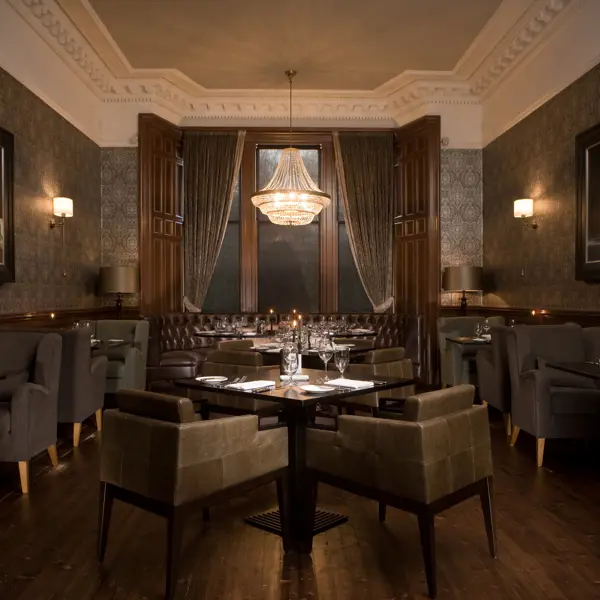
[342,358]
[325,354]
[486,326]
[289,361]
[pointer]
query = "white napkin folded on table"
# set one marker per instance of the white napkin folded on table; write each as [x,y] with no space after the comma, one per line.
[353,384]
[296,377]
[248,386]
[361,331]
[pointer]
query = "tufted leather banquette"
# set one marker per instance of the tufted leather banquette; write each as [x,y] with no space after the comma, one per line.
[176,352]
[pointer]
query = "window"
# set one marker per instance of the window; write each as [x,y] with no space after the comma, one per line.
[288,257]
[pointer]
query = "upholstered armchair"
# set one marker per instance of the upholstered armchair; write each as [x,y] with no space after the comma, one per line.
[434,456]
[231,364]
[157,455]
[82,382]
[126,364]
[493,376]
[546,402]
[454,368]
[29,379]
[385,362]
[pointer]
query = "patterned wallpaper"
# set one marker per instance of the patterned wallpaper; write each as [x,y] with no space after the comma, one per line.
[120,223]
[536,159]
[52,158]
[461,221]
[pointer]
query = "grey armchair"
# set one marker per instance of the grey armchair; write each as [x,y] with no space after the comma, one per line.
[454,368]
[493,376]
[548,403]
[29,376]
[435,456]
[82,382]
[126,364]
[390,362]
[158,456]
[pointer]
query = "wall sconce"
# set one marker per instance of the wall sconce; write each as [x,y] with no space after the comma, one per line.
[63,209]
[523,209]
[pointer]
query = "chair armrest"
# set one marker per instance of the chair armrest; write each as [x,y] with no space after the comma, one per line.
[24,400]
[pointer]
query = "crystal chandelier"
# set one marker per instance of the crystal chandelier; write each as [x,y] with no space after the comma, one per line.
[291,196]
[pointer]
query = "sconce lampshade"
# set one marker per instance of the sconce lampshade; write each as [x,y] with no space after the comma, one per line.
[63,207]
[523,208]
[464,278]
[118,280]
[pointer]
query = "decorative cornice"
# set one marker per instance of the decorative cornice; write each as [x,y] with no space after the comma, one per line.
[46,17]
[531,29]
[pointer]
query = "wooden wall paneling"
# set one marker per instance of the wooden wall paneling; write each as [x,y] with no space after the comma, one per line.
[328,234]
[64,318]
[416,229]
[161,211]
[249,232]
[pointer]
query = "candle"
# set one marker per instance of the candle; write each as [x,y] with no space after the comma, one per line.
[294,310]
[294,323]
[300,317]
[271,319]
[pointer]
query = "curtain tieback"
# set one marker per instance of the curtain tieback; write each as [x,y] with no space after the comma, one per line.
[384,305]
[189,307]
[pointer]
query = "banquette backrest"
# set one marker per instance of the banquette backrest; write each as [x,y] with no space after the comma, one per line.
[176,331]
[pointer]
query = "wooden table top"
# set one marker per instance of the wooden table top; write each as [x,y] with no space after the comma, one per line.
[469,341]
[293,396]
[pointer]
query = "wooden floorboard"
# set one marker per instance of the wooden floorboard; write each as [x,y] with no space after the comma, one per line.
[548,523]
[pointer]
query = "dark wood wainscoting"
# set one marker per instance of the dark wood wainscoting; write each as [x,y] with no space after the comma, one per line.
[417,235]
[529,316]
[65,318]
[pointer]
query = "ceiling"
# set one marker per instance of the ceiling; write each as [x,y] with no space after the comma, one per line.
[333,44]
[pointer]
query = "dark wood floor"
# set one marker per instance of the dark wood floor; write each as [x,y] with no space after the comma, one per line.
[548,533]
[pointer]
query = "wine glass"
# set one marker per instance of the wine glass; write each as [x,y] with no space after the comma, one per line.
[478,330]
[325,354]
[289,358]
[512,323]
[342,358]
[486,326]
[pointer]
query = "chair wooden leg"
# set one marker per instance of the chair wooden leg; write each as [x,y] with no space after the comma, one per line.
[507,423]
[515,435]
[427,531]
[53,455]
[24,475]
[382,511]
[76,434]
[284,512]
[174,541]
[484,403]
[541,442]
[105,511]
[488,514]
[99,419]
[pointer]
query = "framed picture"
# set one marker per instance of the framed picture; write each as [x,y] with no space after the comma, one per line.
[7,242]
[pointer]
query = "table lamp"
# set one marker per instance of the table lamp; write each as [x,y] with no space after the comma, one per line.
[119,281]
[462,279]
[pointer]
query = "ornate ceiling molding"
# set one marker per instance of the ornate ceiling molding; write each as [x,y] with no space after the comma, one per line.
[515,31]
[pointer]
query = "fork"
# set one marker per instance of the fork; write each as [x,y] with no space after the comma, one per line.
[242,379]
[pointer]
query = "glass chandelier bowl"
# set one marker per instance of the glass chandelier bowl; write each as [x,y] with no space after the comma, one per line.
[291,197]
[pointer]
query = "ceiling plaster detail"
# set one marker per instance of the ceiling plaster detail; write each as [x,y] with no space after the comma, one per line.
[394,101]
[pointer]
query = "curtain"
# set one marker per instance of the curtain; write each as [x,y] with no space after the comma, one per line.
[365,168]
[211,168]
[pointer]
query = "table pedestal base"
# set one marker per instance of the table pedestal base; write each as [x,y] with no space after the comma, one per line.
[271,522]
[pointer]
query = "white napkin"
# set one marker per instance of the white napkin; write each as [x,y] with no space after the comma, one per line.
[248,386]
[352,384]
[362,330]
[296,377]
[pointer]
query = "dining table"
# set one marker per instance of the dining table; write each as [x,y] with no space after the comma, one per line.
[588,369]
[298,411]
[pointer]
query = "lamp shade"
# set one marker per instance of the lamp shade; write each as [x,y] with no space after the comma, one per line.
[523,208]
[118,280]
[62,207]
[465,278]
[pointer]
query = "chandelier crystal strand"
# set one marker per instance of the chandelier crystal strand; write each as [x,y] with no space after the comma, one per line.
[291,197]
